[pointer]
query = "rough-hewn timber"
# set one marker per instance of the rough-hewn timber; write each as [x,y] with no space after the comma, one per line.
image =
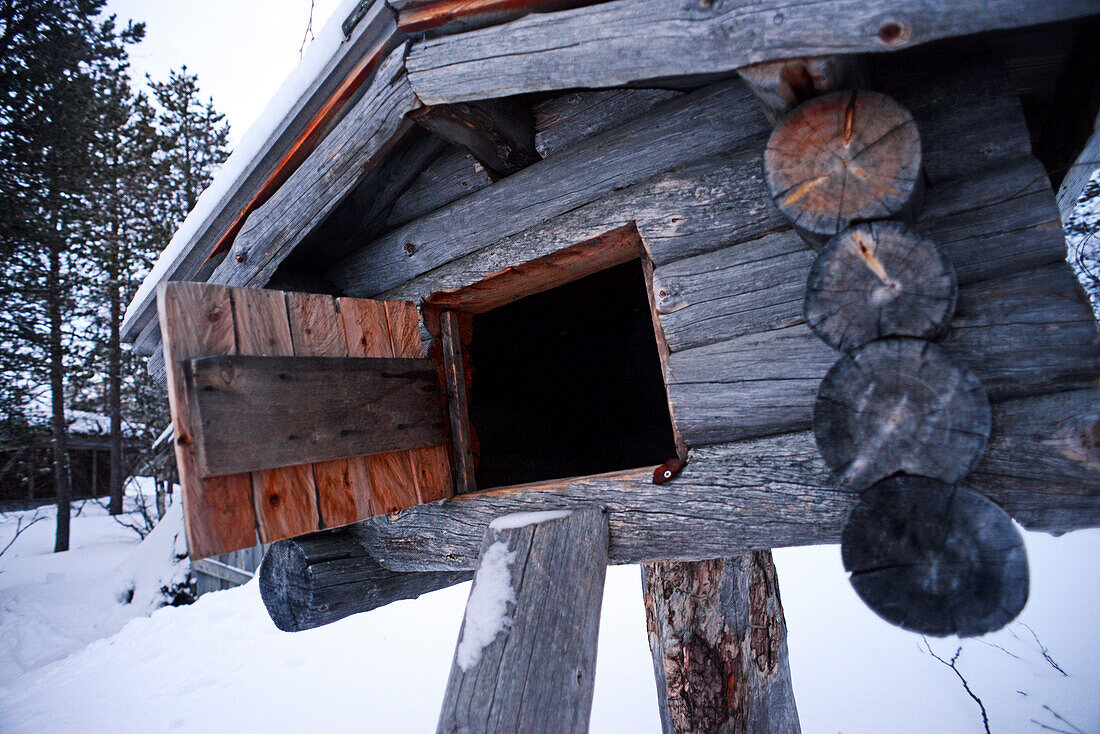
[764,493]
[935,559]
[900,405]
[613,159]
[1024,334]
[779,486]
[267,412]
[783,85]
[847,157]
[876,280]
[499,134]
[626,41]
[719,646]
[534,671]
[317,579]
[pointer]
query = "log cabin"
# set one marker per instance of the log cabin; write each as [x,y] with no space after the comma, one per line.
[687,280]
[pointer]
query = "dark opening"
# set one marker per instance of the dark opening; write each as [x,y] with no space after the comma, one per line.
[568,383]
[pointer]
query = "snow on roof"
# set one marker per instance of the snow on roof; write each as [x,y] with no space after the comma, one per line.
[37,411]
[325,46]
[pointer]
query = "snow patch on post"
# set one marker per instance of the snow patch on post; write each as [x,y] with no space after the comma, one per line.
[487,610]
[522,519]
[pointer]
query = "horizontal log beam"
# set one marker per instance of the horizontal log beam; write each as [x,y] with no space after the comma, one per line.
[255,413]
[626,41]
[499,134]
[1023,334]
[729,499]
[717,118]
[765,493]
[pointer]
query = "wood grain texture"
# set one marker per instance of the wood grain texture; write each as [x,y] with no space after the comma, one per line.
[431,464]
[782,85]
[763,493]
[935,559]
[537,672]
[626,41]
[719,645]
[779,487]
[373,37]
[343,485]
[196,319]
[845,157]
[451,176]
[286,498]
[457,402]
[997,222]
[876,280]
[1079,174]
[1024,334]
[642,148]
[570,118]
[360,142]
[499,134]
[367,334]
[900,405]
[267,412]
[317,579]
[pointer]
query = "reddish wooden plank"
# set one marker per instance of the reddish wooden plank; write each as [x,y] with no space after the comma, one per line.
[366,333]
[431,465]
[286,498]
[343,485]
[196,320]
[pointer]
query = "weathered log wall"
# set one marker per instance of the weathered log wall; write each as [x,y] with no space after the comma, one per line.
[730,273]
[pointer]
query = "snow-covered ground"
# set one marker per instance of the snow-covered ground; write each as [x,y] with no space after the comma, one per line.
[75,658]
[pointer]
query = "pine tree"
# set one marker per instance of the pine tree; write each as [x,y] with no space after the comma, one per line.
[197,138]
[52,55]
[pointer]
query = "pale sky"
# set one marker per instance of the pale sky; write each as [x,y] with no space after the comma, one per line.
[242,50]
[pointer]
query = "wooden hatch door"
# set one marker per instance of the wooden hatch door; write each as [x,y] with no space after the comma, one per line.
[295,412]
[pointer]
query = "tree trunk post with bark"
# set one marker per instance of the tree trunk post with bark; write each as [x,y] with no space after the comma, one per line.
[719,645]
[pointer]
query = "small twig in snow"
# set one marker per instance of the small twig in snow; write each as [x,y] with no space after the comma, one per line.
[990,644]
[966,686]
[1044,651]
[1058,716]
[20,528]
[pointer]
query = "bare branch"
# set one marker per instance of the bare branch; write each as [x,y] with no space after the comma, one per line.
[20,528]
[966,686]
[1044,651]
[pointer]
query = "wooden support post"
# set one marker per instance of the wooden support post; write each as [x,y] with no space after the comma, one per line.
[500,134]
[719,645]
[783,85]
[526,656]
[457,406]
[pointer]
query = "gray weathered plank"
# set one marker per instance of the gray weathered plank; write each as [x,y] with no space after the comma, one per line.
[565,120]
[719,645]
[782,85]
[715,119]
[764,493]
[458,409]
[1024,334]
[324,179]
[451,176]
[779,486]
[526,656]
[498,133]
[374,36]
[266,412]
[994,223]
[627,41]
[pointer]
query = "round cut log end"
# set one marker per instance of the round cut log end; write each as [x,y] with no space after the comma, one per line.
[876,280]
[934,558]
[900,405]
[845,157]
